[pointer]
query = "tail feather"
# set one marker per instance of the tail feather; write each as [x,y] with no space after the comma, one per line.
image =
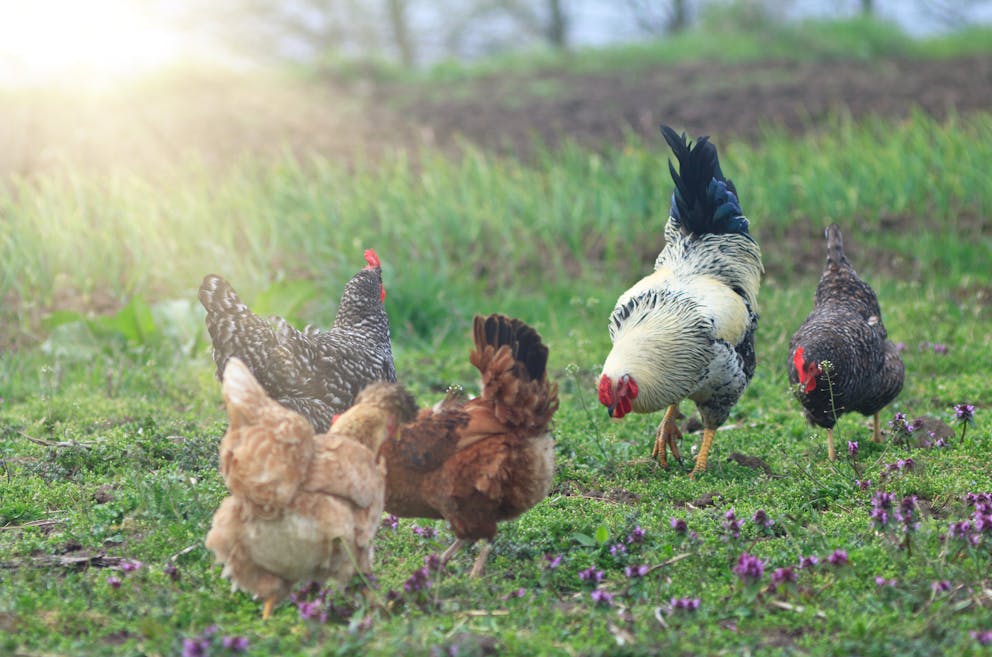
[234,329]
[835,247]
[513,362]
[703,201]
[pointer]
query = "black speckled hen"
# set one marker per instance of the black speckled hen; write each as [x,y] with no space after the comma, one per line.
[845,329]
[314,372]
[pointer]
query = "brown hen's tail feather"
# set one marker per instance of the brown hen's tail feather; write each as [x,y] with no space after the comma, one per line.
[513,362]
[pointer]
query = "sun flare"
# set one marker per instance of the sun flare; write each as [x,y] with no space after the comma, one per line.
[95,41]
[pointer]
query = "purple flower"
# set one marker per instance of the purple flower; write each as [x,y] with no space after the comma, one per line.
[881,504]
[905,514]
[312,610]
[939,348]
[940,586]
[838,558]
[424,532]
[959,529]
[808,562]
[786,575]
[129,565]
[685,604]
[601,597]
[114,582]
[863,484]
[852,448]
[732,524]
[964,413]
[984,637]
[761,519]
[749,567]
[881,581]
[418,581]
[552,561]
[391,521]
[636,536]
[432,562]
[900,347]
[235,643]
[636,571]
[591,574]
[678,524]
[519,593]
[618,549]
[195,647]
[171,572]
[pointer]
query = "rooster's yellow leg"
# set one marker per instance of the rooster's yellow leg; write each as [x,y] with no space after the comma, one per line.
[877,433]
[831,453]
[267,609]
[668,433]
[453,550]
[704,451]
[480,561]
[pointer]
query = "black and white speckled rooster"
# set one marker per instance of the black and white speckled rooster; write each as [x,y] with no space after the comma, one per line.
[687,330]
[846,329]
[316,373]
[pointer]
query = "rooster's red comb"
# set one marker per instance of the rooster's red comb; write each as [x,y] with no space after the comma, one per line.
[372,258]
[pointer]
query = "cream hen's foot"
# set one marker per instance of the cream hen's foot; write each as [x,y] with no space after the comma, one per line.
[667,437]
[267,609]
[831,452]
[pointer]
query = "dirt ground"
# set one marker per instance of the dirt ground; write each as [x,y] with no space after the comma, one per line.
[148,127]
[507,112]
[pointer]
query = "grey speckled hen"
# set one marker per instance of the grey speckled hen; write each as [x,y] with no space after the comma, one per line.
[846,329]
[316,373]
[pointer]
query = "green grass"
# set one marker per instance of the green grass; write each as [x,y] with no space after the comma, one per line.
[454,234]
[109,429]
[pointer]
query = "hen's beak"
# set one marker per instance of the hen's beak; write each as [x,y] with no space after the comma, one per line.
[610,409]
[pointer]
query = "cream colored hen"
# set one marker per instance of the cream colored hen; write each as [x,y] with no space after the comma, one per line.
[302,507]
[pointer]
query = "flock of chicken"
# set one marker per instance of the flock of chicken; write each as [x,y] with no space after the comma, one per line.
[322,439]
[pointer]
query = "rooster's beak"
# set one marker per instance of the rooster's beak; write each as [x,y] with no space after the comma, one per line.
[610,409]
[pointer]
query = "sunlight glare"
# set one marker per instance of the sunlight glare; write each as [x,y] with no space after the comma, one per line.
[92,41]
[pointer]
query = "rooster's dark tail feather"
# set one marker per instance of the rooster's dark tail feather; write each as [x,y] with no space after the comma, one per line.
[704,201]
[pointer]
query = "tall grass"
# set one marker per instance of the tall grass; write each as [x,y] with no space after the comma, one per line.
[452,230]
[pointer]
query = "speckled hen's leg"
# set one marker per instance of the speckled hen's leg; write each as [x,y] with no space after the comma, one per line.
[668,434]
[831,453]
[480,562]
[877,433]
[704,452]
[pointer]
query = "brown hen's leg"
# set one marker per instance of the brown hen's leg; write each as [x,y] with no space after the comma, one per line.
[267,609]
[704,451]
[668,433]
[831,453]
[877,434]
[453,550]
[480,561]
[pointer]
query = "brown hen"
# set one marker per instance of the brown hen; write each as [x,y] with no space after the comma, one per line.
[488,459]
[302,507]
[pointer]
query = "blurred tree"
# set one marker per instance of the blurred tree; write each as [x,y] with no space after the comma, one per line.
[499,25]
[955,14]
[867,7]
[400,27]
[657,18]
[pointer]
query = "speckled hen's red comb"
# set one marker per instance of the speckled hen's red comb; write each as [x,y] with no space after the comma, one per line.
[372,258]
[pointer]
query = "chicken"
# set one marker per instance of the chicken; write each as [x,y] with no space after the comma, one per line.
[687,329]
[480,461]
[302,507]
[845,328]
[316,373]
